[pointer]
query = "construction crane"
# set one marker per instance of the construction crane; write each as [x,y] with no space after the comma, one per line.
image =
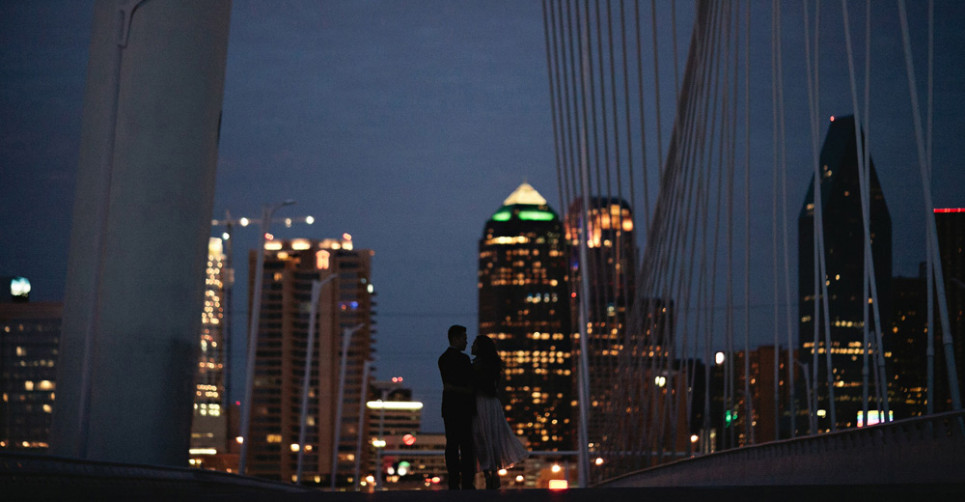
[229,223]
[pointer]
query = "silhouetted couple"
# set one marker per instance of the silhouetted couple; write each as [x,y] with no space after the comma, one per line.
[477,434]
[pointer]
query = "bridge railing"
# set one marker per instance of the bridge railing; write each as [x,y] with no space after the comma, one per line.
[920,450]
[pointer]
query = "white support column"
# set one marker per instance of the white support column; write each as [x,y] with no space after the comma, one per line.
[141,219]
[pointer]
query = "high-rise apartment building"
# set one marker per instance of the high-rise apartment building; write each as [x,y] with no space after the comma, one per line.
[611,256]
[345,308]
[209,434]
[843,231]
[950,224]
[524,307]
[29,338]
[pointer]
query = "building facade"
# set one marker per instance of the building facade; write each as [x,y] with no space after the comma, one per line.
[950,224]
[523,288]
[769,397]
[345,308]
[394,423]
[611,256]
[209,426]
[843,234]
[906,345]
[29,338]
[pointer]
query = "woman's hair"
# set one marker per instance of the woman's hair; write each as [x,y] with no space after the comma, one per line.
[486,351]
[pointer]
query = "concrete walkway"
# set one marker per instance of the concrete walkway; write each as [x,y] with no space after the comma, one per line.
[39,478]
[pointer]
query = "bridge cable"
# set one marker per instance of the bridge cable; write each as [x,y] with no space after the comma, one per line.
[656,76]
[774,246]
[820,282]
[864,172]
[748,401]
[553,80]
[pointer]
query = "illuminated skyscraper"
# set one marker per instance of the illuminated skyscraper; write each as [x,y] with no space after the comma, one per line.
[209,425]
[611,259]
[523,306]
[29,337]
[844,256]
[345,305]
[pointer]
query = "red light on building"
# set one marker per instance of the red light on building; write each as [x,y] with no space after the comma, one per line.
[950,210]
[408,440]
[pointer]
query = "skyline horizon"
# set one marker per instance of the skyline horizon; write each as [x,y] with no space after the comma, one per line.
[407,126]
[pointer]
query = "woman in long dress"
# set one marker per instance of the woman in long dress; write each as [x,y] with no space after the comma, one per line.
[495,445]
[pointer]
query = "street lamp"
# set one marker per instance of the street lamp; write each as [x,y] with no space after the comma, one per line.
[267,211]
[346,339]
[385,388]
[360,426]
[306,380]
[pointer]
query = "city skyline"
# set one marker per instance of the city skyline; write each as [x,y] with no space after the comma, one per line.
[435,111]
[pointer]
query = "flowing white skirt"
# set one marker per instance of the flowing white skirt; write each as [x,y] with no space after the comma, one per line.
[494,444]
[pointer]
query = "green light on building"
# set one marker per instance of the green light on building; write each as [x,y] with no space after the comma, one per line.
[536,215]
[502,216]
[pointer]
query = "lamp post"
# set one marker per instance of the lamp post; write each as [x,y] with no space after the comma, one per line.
[385,388]
[346,339]
[361,425]
[267,211]
[306,380]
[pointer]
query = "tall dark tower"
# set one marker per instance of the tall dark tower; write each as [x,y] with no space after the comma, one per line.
[611,258]
[844,256]
[907,342]
[523,306]
[950,224]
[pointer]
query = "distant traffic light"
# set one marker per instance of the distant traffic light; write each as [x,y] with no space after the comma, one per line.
[730,417]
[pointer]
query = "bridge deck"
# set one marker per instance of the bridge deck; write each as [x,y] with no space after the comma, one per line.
[105,489]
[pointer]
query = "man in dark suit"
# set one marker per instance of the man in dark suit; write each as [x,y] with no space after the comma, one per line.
[458,408]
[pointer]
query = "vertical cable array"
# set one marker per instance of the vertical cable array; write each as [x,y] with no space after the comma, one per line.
[655,317]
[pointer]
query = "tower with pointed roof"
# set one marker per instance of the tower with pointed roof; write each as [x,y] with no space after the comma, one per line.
[524,308]
[839,194]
